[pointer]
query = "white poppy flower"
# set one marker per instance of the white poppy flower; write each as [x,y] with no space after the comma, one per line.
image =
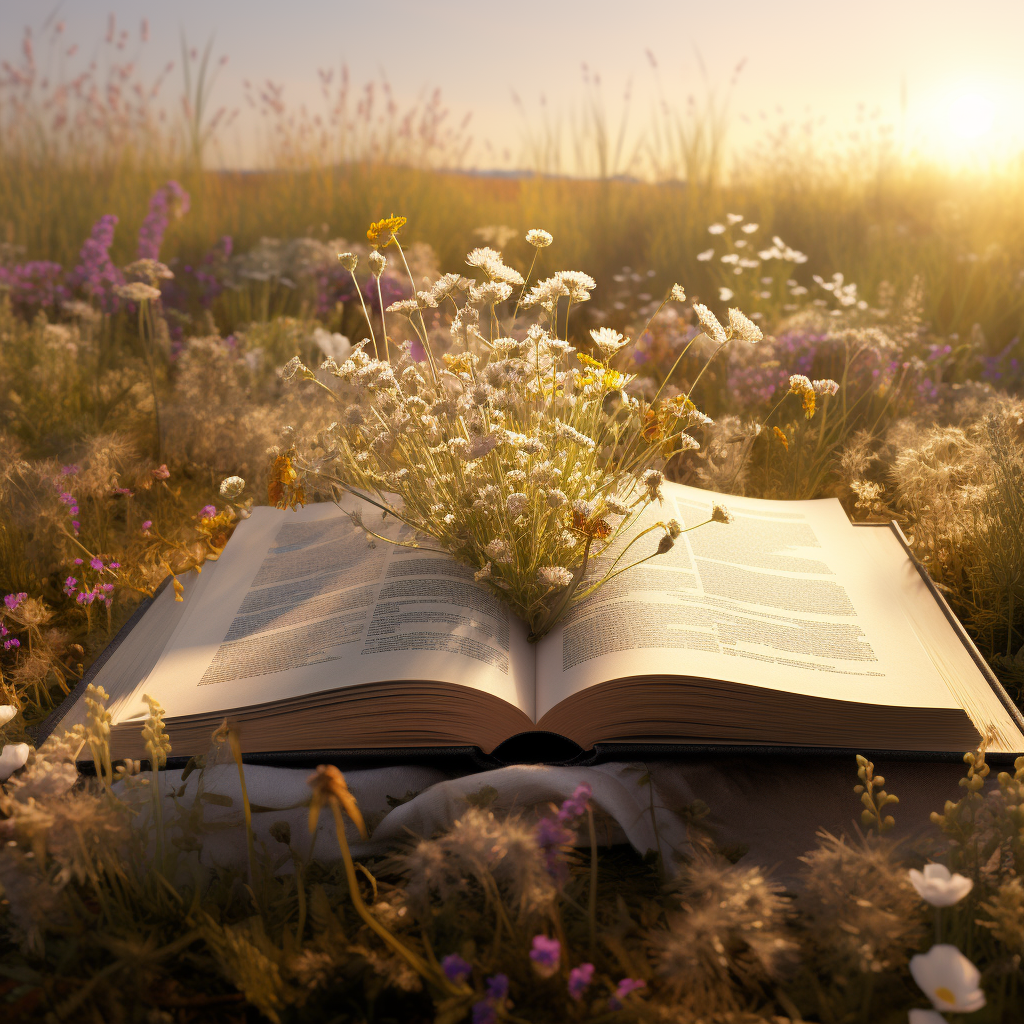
[948,978]
[935,884]
[13,757]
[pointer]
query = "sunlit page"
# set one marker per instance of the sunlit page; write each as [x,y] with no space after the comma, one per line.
[301,603]
[782,598]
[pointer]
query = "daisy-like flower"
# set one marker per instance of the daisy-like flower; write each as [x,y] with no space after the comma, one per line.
[539,238]
[507,275]
[948,979]
[743,328]
[709,323]
[706,255]
[553,576]
[935,885]
[716,229]
[349,260]
[381,232]
[608,341]
[448,283]
[546,293]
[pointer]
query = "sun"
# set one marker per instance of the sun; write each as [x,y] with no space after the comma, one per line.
[970,116]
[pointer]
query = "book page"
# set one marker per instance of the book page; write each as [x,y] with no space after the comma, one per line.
[301,602]
[781,598]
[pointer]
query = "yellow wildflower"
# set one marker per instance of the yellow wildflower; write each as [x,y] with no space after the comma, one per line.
[782,437]
[382,232]
[282,492]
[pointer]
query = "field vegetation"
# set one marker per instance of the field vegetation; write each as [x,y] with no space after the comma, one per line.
[148,303]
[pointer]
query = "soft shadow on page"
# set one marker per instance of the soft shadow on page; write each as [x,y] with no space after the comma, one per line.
[301,603]
[781,598]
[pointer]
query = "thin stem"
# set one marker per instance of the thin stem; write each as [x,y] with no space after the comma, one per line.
[592,895]
[366,314]
[383,322]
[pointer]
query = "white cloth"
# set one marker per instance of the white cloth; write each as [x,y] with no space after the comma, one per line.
[771,806]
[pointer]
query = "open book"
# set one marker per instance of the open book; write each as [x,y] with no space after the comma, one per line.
[787,627]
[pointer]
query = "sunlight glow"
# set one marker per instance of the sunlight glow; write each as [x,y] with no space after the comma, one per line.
[971,116]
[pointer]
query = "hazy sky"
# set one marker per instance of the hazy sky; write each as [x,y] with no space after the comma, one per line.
[961,62]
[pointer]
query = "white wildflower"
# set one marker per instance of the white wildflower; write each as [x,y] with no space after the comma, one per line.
[136,291]
[716,229]
[949,979]
[706,255]
[725,294]
[677,294]
[333,345]
[490,293]
[554,576]
[578,285]
[825,387]
[538,238]
[935,885]
[709,323]
[608,341]
[743,328]
[565,432]
[799,384]
[749,228]
[378,261]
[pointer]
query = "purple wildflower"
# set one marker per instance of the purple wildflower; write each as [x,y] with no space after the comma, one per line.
[624,988]
[114,565]
[207,511]
[485,1012]
[12,643]
[151,234]
[576,805]
[146,527]
[96,274]
[545,955]
[36,283]
[79,561]
[455,968]
[97,564]
[69,585]
[551,835]
[580,979]
[68,470]
[11,601]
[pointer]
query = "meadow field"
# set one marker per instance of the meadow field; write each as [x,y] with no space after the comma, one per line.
[149,301]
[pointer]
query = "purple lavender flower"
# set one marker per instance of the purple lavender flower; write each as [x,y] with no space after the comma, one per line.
[151,234]
[624,988]
[580,979]
[96,274]
[11,601]
[546,954]
[36,283]
[576,805]
[455,968]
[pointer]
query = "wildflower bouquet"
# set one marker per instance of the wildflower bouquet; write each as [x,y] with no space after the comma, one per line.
[514,452]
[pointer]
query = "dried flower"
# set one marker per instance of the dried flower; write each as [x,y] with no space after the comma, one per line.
[136,291]
[539,238]
[378,261]
[677,294]
[720,514]
[709,324]
[743,328]
[349,260]
[231,487]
